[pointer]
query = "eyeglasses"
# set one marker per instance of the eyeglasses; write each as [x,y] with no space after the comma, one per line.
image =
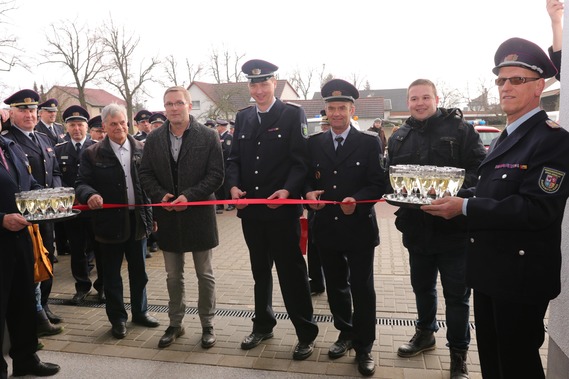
[514,80]
[177,104]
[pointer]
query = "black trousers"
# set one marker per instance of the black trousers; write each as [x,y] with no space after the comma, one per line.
[509,335]
[80,234]
[277,241]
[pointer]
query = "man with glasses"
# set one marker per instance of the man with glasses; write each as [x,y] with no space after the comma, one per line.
[96,132]
[440,137]
[514,217]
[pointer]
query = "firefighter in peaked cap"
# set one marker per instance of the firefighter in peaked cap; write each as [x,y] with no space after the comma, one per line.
[47,112]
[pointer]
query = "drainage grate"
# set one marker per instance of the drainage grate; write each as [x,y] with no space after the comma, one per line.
[249,314]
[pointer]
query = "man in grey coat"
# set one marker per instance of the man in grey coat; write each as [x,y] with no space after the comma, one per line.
[183,162]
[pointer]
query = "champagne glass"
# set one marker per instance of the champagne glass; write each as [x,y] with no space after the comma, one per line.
[427,183]
[70,194]
[42,204]
[396,180]
[31,205]
[21,202]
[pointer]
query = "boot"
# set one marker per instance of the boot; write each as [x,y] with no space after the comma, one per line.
[45,327]
[458,369]
[423,340]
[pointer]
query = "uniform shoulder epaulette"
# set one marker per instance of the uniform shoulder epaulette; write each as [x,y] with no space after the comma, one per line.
[247,107]
[4,132]
[552,124]
[293,104]
[42,133]
[370,133]
[315,134]
[61,143]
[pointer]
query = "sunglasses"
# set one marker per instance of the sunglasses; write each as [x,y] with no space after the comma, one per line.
[514,80]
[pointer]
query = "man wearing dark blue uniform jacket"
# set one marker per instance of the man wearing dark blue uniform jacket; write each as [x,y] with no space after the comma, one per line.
[268,161]
[514,217]
[345,166]
[17,297]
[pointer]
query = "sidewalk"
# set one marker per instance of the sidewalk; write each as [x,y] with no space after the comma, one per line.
[86,348]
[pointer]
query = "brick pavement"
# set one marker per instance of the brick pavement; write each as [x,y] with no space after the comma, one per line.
[87,330]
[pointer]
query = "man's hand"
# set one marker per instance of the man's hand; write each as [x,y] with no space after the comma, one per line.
[166,199]
[280,194]
[315,195]
[95,202]
[236,193]
[14,222]
[446,207]
[348,205]
[179,208]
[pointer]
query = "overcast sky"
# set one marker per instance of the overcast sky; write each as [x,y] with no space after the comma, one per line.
[388,43]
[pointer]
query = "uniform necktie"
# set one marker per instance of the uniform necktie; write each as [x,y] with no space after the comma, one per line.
[339,144]
[34,138]
[502,137]
[4,161]
[51,129]
[78,147]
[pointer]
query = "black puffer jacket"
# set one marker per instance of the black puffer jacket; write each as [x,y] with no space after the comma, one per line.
[444,139]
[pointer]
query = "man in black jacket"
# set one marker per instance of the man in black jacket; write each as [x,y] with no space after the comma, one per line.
[108,173]
[439,137]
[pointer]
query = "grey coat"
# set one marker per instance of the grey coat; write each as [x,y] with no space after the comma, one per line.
[200,173]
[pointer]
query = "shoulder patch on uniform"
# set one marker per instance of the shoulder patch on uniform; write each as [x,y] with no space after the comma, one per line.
[293,104]
[552,124]
[4,132]
[304,129]
[550,180]
[247,107]
[315,134]
[42,133]
[61,143]
[369,133]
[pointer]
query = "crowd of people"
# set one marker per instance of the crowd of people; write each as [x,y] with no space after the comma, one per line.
[499,237]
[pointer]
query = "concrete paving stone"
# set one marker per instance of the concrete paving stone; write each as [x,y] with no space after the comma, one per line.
[263,363]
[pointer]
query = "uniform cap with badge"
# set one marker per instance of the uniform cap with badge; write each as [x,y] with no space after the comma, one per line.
[221,122]
[209,122]
[142,115]
[75,113]
[258,70]
[339,90]
[95,122]
[49,105]
[157,117]
[519,52]
[24,99]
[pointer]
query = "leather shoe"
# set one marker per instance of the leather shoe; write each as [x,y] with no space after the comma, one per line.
[170,335]
[366,365]
[79,297]
[208,337]
[146,320]
[119,330]
[254,339]
[423,340]
[36,369]
[339,348]
[153,247]
[53,318]
[230,207]
[101,298]
[303,350]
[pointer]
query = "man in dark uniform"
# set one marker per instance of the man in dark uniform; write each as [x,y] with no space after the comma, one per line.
[141,118]
[17,298]
[96,132]
[345,167]
[209,123]
[47,112]
[45,169]
[225,138]
[514,217]
[268,161]
[156,120]
[79,231]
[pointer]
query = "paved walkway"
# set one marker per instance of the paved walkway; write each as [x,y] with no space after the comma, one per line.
[86,348]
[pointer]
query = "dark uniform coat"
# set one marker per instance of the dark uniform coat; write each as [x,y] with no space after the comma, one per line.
[57,128]
[355,172]
[269,157]
[42,159]
[200,173]
[226,140]
[100,172]
[515,219]
[68,159]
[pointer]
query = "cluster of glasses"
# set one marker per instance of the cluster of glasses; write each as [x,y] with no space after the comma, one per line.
[422,184]
[47,203]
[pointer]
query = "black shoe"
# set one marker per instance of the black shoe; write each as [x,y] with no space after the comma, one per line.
[339,348]
[366,365]
[153,248]
[219,211]
[148,255]
[119,330]
[101,298]
[208,337]
[45,327]
[254,339]
[79,297]
[423,340]
[230,207]
[458,369]
[170,335]
[53,318]
[316,291]
[303,350]
[146,320]
[36,369]
[55,260]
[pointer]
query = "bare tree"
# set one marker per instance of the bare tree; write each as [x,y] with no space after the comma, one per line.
[224,66]
[448,97]
[171,67]
[8,48]
[302,80]
[78,49]
[121,48]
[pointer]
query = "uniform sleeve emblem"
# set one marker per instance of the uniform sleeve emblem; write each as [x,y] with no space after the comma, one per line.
[550,180]
[304,127]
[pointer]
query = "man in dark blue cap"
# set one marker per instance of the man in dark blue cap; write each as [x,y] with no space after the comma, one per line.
[268,160]
[96,132]
[156,120]
[17,298]
[514,217]
[45,169]
[47,111]
[142,123]
[79,231]
[209,123]
[346,168]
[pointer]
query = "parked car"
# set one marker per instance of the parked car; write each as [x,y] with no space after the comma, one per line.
[487,134]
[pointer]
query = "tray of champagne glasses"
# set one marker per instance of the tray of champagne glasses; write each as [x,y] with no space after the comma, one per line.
[47,205]
[416,185]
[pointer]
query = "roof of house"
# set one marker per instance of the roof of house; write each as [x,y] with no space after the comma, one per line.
[93,97]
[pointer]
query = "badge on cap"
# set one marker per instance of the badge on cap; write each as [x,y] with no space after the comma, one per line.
[256,71]
[550,180]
